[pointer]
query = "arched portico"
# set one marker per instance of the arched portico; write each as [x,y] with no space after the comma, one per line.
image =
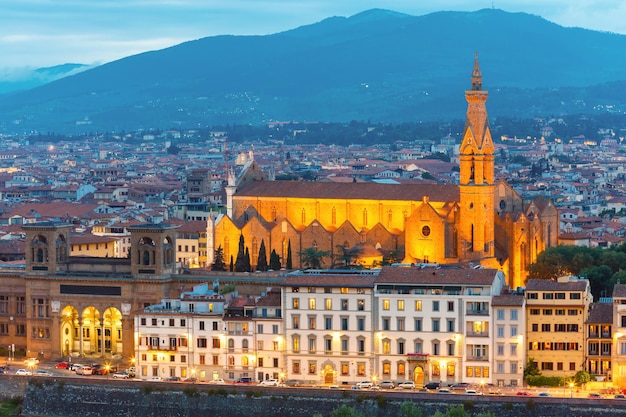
[90,331]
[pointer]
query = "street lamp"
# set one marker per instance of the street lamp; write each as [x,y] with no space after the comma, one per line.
[107,369]
[571,390]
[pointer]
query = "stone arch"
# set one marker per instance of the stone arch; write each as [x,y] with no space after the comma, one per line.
[69,328]
[168,251]
[39,249]
[61,248]
[90,329]
[418,376]
[113,331]
[328,373]
[146,251]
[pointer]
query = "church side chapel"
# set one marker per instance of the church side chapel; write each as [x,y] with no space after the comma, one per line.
[481,221]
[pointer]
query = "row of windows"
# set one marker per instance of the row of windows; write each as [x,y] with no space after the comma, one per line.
[551,366]
[513,367]
[329,290]
[553,296]
[554,346]
[80,247]
[557,312]
[180,248]
[501,331]
[311,369]
[328,304]
[558,327]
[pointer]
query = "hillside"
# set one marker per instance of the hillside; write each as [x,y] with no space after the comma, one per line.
[377,65]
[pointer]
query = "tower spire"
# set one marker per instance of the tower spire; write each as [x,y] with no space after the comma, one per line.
[477,77]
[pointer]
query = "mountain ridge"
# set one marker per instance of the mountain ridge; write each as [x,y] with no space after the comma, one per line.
[376,65]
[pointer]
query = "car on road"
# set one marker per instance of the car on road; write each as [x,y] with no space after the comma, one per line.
[444,391]
[43,372]
[595,396]
[544,394]
[620,397]
[174,379]
[364,385]
[217,381]
[433,385]
[62,365]
[155,379]
[121,375]
[292,383]
[23,372]
[524,394]
[460,386]
[387,385]
[74,366]
[84,370]
[244,380]
[472,392]
[269,383]
[406,385]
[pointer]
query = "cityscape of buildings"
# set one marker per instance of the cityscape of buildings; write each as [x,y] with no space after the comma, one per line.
[107,247]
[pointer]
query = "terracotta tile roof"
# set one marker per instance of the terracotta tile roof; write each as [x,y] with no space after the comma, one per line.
[619,291]
[392,274]
[601,313]
[271,299]
[330,280]
[552,285]
[366,190]
[508,300]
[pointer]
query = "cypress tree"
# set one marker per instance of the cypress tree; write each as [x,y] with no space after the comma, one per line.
[246,261]
[218,263]
[232,266]
[240,262]
[274,260]
[289,264]
[261,264]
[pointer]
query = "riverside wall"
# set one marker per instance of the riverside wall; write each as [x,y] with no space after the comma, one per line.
[73,397]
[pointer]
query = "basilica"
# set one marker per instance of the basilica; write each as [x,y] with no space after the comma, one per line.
[479,222]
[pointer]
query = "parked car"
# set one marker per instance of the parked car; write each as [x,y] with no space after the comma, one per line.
[244,380]
[102,369]
[433,385]
[217,381]
[173,379]
[620,397]
[364,385]
[387,385]
[472,392]
[155,379]
[444,391]
[292,383]
[62,365]
[406,385]
[43,372]
[84,370]
[23,372]
[544,394]
[524,394]
[459,386]
[595,396]
[121,375]
[269,383]
[74,366]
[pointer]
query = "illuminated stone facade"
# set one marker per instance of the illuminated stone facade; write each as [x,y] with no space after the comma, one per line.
[480,220]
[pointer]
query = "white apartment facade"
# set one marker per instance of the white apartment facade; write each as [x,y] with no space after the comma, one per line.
[329,326]
[432,324]
[509,353]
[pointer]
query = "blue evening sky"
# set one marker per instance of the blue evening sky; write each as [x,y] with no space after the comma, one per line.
[39,33]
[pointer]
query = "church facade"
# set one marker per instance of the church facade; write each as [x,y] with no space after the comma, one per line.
[481,221]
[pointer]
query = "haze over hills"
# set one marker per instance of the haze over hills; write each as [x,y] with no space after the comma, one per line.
[378,65]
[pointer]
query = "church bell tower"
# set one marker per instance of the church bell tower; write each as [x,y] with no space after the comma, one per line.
[476,186]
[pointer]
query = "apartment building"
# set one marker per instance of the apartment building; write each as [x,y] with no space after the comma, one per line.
[509,354]
[556,312]
[269,339]
[618,356]
[599,340]
[329,331]
[182,337]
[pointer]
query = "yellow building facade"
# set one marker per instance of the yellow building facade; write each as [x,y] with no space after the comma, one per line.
[481,220]
[556,312]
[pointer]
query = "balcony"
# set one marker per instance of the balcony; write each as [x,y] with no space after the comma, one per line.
[477,312]
[476,334]
[417,357]
[162,347]
[482,358]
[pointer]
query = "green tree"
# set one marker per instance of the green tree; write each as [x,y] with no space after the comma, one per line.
[409,409]
[582,377]
[600,280]
[274,261]
[240,263]
[231,267]
[531,369]
[345,411]
[218,261]
[261,264]
[349,255]
[313,258]
[289,263]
